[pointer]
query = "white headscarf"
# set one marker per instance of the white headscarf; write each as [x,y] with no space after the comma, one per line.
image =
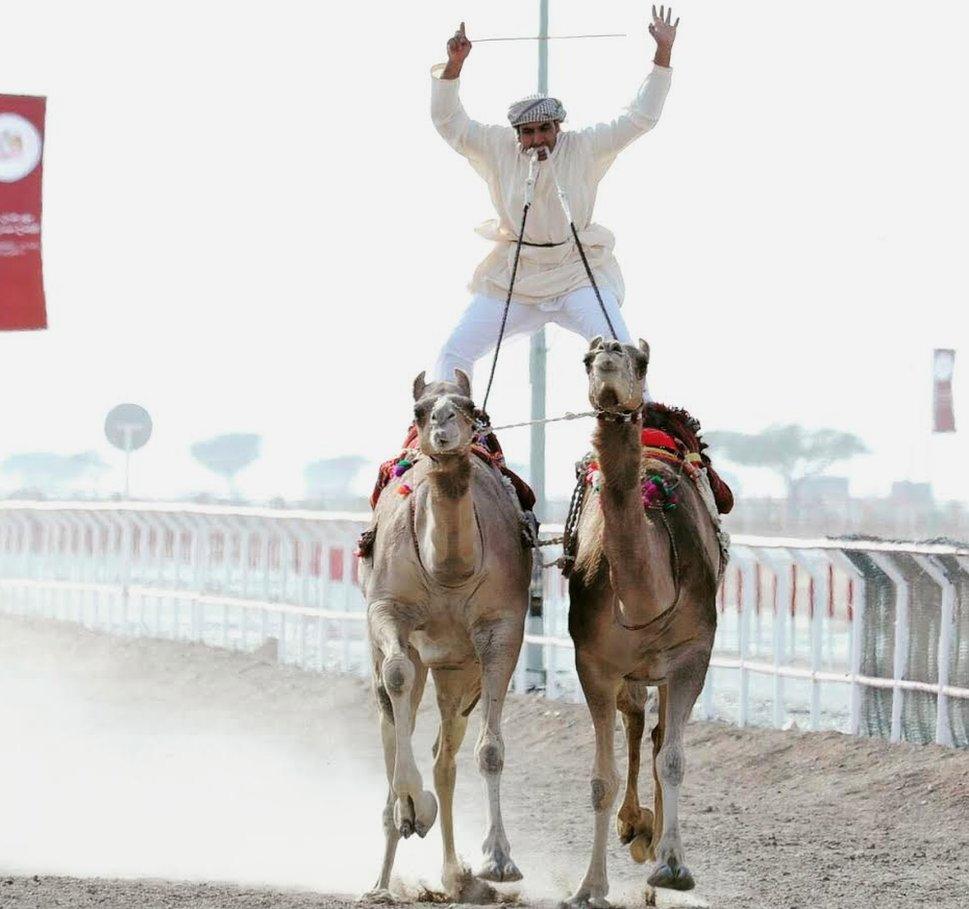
[535,109]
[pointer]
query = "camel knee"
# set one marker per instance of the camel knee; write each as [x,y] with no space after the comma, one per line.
[389,824]
[604,791]
[491,756]
[398,675]
[671,764]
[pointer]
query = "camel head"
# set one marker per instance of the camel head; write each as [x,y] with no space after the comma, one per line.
[616,375]
[445,415]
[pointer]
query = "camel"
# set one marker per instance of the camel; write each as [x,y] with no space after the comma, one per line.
[642,613]
[446,586]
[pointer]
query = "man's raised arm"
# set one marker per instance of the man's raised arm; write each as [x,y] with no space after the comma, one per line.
[474,140]
[643,114]
[458,48]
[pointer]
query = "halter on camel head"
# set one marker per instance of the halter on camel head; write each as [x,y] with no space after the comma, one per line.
[617,372]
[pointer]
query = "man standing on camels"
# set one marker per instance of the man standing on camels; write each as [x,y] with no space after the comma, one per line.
[551,284]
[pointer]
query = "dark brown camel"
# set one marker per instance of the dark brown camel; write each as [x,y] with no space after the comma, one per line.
[642,613]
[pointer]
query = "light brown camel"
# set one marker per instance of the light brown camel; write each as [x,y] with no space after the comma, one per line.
[447,590]
[642,612]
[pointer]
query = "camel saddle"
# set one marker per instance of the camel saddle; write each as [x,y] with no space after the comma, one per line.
[660,420]
[486,447]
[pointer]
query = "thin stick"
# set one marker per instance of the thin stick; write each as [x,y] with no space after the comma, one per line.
[549,38]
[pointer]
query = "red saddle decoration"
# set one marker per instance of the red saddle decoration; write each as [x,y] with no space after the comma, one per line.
[676,422]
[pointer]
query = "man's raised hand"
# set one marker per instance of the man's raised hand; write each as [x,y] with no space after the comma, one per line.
[662,28]
[458,47]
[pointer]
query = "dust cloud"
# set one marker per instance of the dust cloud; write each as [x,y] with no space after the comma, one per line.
[131,759]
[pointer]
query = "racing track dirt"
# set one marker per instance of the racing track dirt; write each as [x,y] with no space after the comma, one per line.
[769,818]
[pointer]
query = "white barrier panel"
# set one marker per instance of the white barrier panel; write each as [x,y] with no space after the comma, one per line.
[861,636]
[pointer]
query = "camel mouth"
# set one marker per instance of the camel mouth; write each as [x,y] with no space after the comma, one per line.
[607,397]
[445,443]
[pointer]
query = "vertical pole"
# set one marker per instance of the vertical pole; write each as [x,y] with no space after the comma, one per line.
[537,354]
[127,461]
[536,373]
[819,599]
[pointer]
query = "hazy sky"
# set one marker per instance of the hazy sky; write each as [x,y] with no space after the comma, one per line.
[250,224]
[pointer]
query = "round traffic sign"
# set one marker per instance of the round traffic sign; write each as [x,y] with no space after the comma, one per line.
[128,427]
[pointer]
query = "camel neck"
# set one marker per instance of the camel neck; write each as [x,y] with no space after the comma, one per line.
[635,549]
[619,452]
[450,541]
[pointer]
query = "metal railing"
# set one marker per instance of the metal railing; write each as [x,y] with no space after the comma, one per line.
[868,637]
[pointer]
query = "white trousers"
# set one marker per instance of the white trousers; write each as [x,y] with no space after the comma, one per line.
[477,330]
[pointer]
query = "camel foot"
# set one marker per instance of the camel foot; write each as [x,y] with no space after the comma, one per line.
[585,901]
[415,818]
[454,876]
[425,812]
[673,875]
[641,824]
[500,868]
[377,895]
[641,849]
[464,887]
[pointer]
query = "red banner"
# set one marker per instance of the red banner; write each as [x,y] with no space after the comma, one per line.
[21,168]
[943,415]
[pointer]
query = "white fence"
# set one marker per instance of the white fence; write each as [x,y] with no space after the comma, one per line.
[863,636]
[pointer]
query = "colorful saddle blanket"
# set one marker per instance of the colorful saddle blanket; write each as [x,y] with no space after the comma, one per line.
[672,429]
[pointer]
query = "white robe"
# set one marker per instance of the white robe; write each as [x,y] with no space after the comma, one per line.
[580,160]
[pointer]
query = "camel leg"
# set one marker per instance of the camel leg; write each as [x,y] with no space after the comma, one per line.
[634,823]
[456,690]
[388,738]
[657,736]
[600,694]
[402,677]
[683,688]
[497,645]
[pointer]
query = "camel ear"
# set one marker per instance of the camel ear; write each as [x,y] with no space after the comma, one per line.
[419,386]
[463,382]
[595,343]
[644,347]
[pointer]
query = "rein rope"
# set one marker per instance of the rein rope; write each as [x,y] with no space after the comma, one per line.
[504,317]
[592,280]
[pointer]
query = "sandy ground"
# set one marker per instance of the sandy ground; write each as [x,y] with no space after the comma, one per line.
[146,773]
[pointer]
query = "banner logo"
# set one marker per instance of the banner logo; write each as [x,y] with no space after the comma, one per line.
[20,147]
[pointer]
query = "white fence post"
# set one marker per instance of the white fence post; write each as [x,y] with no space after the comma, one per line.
[943,728]
[885,562]
[780,562]
[746,605]
[857,581]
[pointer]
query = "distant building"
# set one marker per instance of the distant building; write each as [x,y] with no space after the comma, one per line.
[825,492]
[907,494]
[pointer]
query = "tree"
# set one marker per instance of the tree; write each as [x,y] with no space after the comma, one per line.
[330,478]
[49,471]
[791,451]
[227,454]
